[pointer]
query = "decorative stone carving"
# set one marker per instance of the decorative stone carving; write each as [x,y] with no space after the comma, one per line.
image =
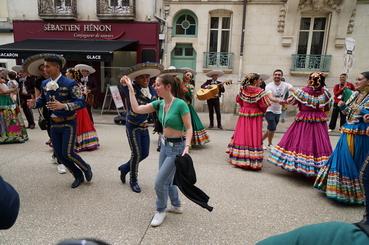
[282,19]
[318,5]
[351,24]
[116,9]
[57,9]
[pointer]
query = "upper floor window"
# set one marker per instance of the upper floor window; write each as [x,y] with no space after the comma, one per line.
[220,30]
[57,9]
[116,9]
[311,47]
[185,24]
[312,35]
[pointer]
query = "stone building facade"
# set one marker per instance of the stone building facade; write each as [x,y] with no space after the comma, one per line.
[298,36]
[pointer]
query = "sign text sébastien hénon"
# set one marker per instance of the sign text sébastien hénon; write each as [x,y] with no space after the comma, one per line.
[77,27]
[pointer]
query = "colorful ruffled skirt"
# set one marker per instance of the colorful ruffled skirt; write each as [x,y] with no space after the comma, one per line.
[305,147]
[199,136]
[339,178]
[12,129]
[245,148]
[87,139]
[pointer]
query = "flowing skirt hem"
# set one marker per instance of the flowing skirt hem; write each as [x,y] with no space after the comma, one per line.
[339,188]
[307,165]
[87,141]
[200,137]
[245,157]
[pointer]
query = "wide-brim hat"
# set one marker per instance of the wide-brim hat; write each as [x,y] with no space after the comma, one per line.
[3,69]
[151,69]
[88,68]
[17,68]
[172,71]
[31,64]
[187,69]
[219,73]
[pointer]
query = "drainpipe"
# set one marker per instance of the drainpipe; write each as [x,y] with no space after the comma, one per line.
[240,68]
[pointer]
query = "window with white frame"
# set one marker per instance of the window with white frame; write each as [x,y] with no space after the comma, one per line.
[218,54]
[220,32]
[312,35]
[312,45]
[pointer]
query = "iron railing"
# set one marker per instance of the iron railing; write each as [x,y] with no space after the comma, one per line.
[63,9]
[310,62]
[118,9]
[218,60]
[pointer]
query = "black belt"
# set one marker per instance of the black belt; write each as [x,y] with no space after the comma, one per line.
[175,140]
[62,119]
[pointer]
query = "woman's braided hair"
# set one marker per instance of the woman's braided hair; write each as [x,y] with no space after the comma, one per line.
[76,74]
[316,80]
[250,79]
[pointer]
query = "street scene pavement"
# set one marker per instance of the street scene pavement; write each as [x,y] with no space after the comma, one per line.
[248,206]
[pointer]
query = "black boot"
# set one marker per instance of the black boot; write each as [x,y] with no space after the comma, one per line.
[123,173]
[77,182]
[134,186]
[88,174]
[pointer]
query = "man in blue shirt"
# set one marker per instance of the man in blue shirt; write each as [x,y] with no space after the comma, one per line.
[62,97]
[136,124]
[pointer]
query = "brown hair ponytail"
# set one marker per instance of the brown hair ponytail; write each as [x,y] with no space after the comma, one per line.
[175,84]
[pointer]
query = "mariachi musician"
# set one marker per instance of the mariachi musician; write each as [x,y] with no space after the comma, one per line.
[89,85]
[214,103]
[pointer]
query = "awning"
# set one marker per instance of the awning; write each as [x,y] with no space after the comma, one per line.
[78,50]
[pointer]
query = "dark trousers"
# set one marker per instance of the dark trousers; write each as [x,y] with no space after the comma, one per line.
[364,179]
[63,137]
[335,112]
[214,104]
[139,142]
[27,112]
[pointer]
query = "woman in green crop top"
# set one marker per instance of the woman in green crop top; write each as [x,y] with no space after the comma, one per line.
[174,115]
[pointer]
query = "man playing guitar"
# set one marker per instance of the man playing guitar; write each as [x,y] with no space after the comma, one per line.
[214,103]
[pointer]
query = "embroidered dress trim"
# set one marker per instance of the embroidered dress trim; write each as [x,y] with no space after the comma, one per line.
[254,97]
[313,101]
[297,162]
[245,157]
[339,187]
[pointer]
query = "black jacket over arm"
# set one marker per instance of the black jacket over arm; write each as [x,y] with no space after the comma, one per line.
[185,179]
[9,205]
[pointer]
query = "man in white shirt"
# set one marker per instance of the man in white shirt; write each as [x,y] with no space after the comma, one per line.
[278,89]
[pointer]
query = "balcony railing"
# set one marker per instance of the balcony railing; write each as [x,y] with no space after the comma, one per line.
[218,60]
[116,9]
[303,62]
[58,9]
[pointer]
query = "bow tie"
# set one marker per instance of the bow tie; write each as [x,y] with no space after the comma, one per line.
[146,92]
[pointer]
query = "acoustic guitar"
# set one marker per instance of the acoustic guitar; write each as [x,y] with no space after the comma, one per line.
[211,91]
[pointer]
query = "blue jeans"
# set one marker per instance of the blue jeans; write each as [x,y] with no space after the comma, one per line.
[164,180]
[139,142]
[63,138]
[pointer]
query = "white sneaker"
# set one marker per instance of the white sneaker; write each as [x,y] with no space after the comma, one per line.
[175,210]
[330,130]
[61,169]
[53,159]
[269,147]
[158,219]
